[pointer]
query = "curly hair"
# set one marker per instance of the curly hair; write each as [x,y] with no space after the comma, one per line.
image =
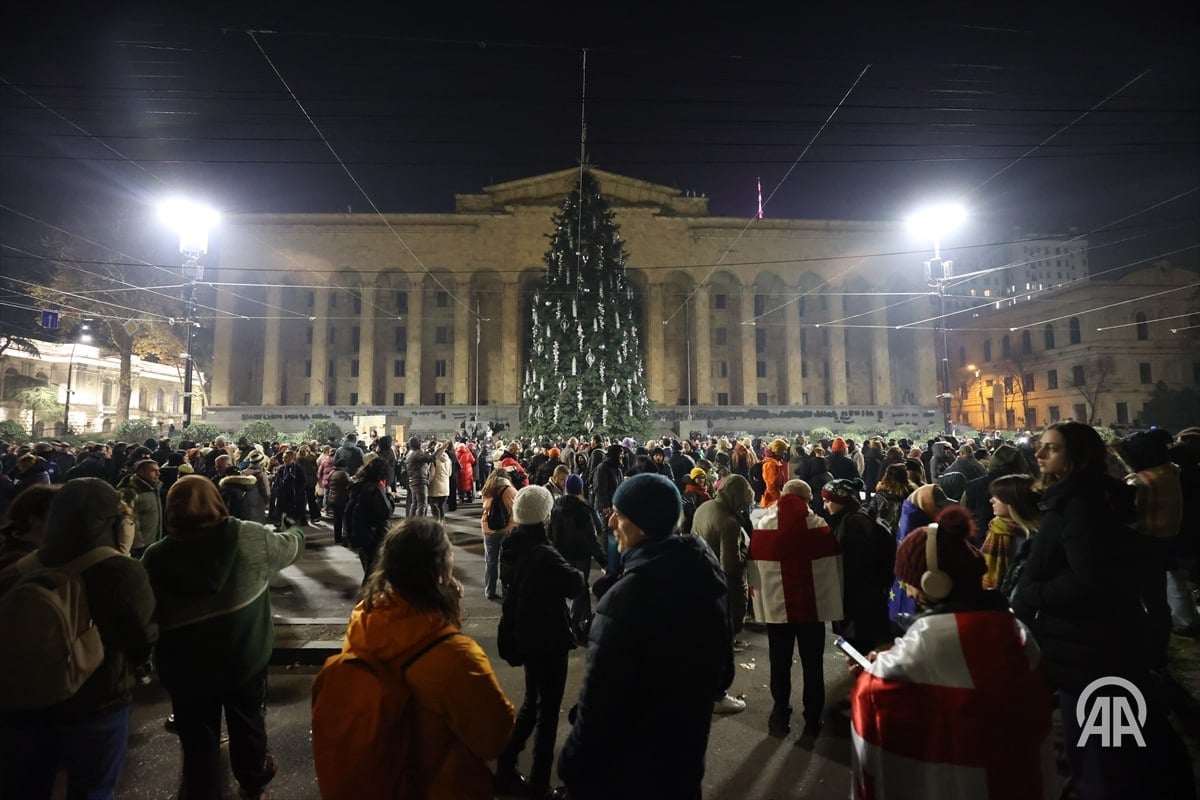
[416,563]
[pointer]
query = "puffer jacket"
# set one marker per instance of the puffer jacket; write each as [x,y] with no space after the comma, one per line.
[643,716]
[439,475]
[337,488]
[540,579]
[462,720]
[241,497]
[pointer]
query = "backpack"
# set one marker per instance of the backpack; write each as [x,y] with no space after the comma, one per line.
[756,479]
[497,516]
[362,729]
[883,541]
[49,643]
[517,478]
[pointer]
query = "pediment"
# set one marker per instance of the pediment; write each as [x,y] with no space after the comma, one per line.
[549,189]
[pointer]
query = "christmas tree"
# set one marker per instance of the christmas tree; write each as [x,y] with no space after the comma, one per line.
[585,372]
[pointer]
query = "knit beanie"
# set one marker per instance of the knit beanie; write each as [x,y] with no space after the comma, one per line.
[697,472]
[799,488]
[532,505]
[651,502]
[843,491]
[778,446]
[955,555]
[574,484]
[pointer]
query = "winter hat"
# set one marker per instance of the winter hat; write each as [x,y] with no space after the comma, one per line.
[651,502]
[256,457]
[697,472]
[185,469]
[954,484]
[574,484]
[352,437]
[799,488]
[778,446]
[838,446]
[369,457]
[843,491]
[930,498]
[1147,449]
[532,505]
[955,555]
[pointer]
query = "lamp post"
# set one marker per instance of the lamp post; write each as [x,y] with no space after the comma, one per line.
[84,338]
[192,221]
[934,222]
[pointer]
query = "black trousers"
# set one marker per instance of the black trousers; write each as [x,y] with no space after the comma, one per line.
[198,720]
[545,681]
[782,640]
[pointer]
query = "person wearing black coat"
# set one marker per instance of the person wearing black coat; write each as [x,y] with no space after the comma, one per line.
[606,477]
[865,585]
[573,530]
[368,511]
[534,632]
[288,492]
[242,499]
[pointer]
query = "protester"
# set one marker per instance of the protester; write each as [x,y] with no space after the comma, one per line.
[1016,517]
[719,523]
[866,568]
[24,527]
[573,530]
[368,512]
[497,489]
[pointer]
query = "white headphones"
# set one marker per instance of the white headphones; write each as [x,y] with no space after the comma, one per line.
[934,583]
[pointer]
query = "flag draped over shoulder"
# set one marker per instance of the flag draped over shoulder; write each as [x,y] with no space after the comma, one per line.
[957,708]
[795,566]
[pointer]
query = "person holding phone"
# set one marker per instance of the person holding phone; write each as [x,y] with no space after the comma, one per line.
[917,708]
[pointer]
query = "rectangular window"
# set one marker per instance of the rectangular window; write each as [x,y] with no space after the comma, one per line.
[719,301]
[439,368]
[722,398]
[308,368]
[331,398]
[441,300]
[332,369]
[1055,414]
[1122,413]
[760,305]
[354,398]
[397,398]
[312,299]
[333,299]
[1008,385]
[308,335]
[439,398]
[354,368]
[1028,381]
[800,304]
[401,304]
[441,335]
[398,368]
[1031,418]
[762,398]
[760,369]
[307,398]
[1144,371]
[760,340]
[1051,379]
[401,337]
[357,303]
[1077,375]
[1080,412]
[722,369]
[719,337]
[824,303]
[1010,418]
[332,336]
[354,338]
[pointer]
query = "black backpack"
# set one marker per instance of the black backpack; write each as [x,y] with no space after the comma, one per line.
[883,542]
[497,516]
[756,479]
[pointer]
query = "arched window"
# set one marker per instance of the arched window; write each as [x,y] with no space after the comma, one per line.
[106,393]
[1026,343]
[175,400]
[106,425]
[987,350]
[1049,336]
[160,401]
[1073,330]
[1143,330]
[1005,348]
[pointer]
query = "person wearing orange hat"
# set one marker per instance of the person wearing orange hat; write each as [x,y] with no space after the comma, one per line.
[774,472]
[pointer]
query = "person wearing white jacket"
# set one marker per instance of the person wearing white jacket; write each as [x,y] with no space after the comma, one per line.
[439,483]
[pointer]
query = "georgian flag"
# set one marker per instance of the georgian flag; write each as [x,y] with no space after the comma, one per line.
[795,566]
[958,708]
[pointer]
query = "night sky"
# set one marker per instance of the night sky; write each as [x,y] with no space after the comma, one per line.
[708,100]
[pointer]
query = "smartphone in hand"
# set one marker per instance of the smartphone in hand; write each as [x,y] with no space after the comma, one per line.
[852,651]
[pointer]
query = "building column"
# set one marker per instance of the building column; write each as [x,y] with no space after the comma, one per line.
[366,347]
[837,353]
[412,358]
[510,342]
[272,356]
[320,348]
[793,355]
[749,351]
[655,338]
[223,332]
[881,372]
[462,345]
[925,344]
[701,333]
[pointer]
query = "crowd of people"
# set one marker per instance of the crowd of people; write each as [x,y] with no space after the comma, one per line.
[984,579]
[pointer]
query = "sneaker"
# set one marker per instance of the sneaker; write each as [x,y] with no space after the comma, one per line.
[739,645]
[729,705]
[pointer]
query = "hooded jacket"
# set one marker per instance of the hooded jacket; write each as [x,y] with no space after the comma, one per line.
[462,720]
[643,716]
[241,497]
[146,501]
[573,530]
[214,603]
[84,516]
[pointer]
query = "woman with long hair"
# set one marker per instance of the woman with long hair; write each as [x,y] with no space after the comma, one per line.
[890,493]
[1015,518]
[460,718]
[496,489]
[1078,593]
[368,509]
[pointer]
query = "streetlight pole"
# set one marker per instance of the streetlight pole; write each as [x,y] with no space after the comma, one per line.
[933,223]
[84,337]
[193,222]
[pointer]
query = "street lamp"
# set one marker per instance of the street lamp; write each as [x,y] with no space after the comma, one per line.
[934,222]
[84,338]
[192,221]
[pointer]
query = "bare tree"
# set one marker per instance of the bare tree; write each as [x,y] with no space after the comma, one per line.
[1096,373]
[20,344]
